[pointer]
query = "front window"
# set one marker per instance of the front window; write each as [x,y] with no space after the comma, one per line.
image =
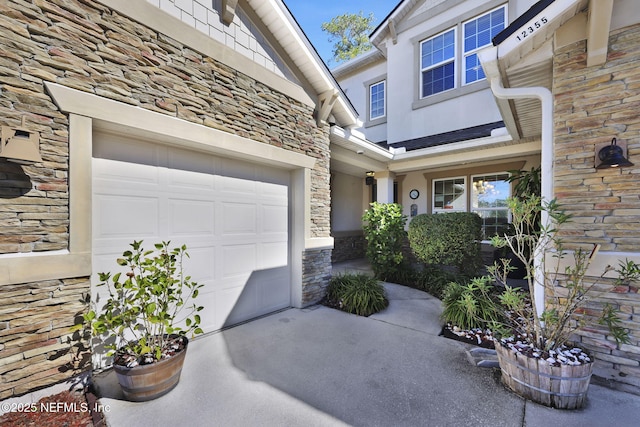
[437,63]
[377,100]
[478,33]
[449,195]
[489,200]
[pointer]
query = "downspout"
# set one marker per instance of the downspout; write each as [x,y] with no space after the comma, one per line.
[546,164]
[489,60]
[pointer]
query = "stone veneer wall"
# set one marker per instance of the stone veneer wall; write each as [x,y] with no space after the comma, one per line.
[592,106]
[348,245]
[316,273]
[84,45]
[36,346]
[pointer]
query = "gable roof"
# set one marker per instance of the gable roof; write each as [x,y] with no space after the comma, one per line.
[278,19]
[387,26]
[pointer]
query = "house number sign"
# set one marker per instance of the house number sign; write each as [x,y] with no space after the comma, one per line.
[535,25]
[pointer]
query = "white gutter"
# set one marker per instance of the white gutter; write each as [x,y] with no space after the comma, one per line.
[360,142]
[546,139]
[489,59]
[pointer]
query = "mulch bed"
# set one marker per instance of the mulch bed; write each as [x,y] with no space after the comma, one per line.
[478,337]
[66,409]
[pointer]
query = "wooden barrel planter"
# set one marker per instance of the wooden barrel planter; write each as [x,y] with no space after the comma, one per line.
[147,382]
[562,387]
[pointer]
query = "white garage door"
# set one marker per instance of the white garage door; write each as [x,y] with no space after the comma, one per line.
[232,215]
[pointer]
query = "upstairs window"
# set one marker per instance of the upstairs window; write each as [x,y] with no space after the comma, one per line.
[437,63]
[377,100]
[478,33]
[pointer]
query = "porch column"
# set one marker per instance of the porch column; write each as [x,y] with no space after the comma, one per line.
[384,181]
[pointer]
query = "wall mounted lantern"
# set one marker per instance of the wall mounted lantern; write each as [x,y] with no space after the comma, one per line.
[369,178]
[611,155]
[20,145]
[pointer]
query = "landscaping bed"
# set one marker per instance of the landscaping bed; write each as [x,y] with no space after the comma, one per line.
[68,409]
[478,337]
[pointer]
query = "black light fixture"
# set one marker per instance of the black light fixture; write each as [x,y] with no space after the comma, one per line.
[612,156]
[369,178]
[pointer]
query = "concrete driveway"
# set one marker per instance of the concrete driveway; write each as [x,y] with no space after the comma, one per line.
[322,367]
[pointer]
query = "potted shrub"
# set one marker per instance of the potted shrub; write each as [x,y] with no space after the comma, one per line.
[146,319]
[525,184]
[537,359]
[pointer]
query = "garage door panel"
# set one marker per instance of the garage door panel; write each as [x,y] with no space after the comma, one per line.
[272,255]
[232,216]
[119,173]
[120,148]
[200,265]
[210,318]
[264,291]
[276,191]
[184,160]
[193,186]
[238,259]
[191,218]
[225,302]
[274,288]
[236,171]
[237,187]
[274,219]
[239,218]
[113,216]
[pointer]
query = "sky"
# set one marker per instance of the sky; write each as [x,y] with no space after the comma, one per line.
[310,14]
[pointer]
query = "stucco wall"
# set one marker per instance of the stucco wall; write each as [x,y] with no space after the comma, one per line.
[86,46]
[464,106]
[592,106]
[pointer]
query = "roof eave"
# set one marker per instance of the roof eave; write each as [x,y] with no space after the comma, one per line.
[276,16]
[523,52]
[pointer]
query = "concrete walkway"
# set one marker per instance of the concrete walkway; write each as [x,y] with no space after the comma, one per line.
[322,367]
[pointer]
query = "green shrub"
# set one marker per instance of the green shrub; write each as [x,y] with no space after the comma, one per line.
[357,293]
[471,305]
[431,279]
[384,231]
[451,238]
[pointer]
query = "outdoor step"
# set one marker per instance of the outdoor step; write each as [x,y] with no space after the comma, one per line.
[482,357]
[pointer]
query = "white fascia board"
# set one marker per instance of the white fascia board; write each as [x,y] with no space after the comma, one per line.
[362,143]
[302,44]
[539,23]
[473,144]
